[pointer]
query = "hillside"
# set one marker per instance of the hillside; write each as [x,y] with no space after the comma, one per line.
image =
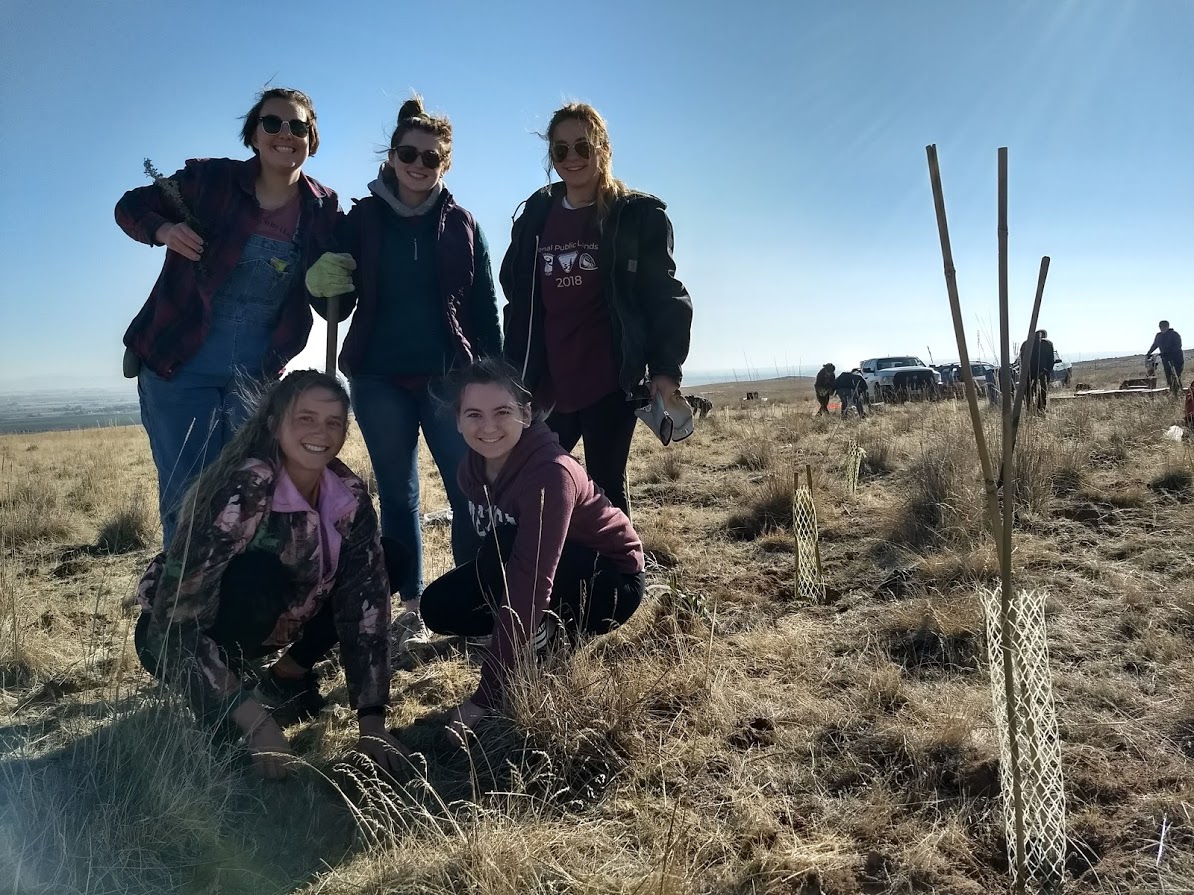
[730,739]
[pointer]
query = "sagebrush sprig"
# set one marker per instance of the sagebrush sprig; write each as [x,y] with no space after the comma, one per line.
[170,190]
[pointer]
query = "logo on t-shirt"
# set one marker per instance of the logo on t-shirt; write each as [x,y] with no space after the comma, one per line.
[548,266]
[567,259]
[587,262]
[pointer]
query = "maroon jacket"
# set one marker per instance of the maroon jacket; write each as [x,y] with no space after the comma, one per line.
[548,495]
[220,193]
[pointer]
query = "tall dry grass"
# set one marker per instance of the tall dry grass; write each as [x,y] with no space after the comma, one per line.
[728,739]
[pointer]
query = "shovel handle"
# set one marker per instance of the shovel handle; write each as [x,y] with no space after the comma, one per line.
[333,316]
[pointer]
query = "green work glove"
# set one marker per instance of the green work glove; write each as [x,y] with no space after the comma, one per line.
[331,275]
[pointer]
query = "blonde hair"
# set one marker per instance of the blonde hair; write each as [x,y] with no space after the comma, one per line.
[609,188]
[256,438]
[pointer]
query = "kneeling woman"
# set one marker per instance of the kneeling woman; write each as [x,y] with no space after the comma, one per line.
[552,541]
[278,548]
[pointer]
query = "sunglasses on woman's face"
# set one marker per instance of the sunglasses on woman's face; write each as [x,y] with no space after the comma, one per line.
[560,149]
[272,124]
[407,155]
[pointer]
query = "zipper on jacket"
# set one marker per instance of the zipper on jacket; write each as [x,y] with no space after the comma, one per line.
[614,308]
[526,359]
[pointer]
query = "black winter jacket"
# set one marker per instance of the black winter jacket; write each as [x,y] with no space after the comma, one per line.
[650,309]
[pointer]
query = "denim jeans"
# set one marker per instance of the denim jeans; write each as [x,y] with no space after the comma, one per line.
[390,417]
[850,397]
[191,416]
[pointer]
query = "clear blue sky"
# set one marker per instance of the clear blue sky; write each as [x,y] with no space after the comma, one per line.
[786,137]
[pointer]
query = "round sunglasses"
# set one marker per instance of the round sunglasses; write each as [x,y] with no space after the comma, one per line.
[407,154]
[272,124]
[560,149]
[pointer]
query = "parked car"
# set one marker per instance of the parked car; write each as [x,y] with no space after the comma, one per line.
[900,378]
[1062,370]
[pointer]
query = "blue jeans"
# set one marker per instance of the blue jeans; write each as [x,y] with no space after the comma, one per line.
[390,417]
[191,416]
[851,397]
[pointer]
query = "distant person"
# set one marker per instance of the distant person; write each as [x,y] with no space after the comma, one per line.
[823,386]
[229,308]
[415,267]
[1041,360]
[1168,343]
[851,390]
[992,386]
[278,548]
[552,541]
[596,322]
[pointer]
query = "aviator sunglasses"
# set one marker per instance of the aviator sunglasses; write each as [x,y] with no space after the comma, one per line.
[407,154]
[583,148]
[272,124]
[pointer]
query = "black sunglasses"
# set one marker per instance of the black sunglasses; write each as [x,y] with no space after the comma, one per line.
[272,124]
[407,154]
[559,149]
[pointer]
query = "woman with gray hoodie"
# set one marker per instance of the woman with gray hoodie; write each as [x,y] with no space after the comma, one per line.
[415,267]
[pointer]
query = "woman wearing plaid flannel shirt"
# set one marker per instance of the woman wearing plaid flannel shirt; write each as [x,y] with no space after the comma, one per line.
[229,307]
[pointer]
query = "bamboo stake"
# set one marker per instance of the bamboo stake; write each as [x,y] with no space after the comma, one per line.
[1007,611]
[808,475]
[1022,385]
[329,365]
[795,534]
[951,285]
[992,500]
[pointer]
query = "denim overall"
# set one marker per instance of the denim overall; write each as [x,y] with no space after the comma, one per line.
[190,417]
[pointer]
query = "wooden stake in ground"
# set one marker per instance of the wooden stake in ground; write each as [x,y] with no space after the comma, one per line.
[992,499]
[1005,541]
[1022,384]
[329,365]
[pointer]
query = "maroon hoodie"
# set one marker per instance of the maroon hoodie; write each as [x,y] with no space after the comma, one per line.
[544,491]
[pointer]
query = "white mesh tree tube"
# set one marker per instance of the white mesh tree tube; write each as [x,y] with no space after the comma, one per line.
[854,458]
[810,583]
[1041,787]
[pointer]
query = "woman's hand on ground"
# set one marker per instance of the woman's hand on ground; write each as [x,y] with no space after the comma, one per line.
[272,756]
[181,239]
[464,717]
[380,745]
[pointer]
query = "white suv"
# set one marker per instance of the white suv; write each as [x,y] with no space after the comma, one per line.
[900,378]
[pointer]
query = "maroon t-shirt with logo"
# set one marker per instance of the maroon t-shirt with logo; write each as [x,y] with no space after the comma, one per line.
[279,223]
[581,366]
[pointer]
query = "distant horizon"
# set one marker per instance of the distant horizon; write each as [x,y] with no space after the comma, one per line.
[82,383]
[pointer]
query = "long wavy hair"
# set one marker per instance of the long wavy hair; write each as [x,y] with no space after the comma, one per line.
[609,188]
[257,438]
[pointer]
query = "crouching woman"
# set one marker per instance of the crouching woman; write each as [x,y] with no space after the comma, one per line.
[277,548]
[552,540]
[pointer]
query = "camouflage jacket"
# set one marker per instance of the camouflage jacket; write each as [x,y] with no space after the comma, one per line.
[262,510]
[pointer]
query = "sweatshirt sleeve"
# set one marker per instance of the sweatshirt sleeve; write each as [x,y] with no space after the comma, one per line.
[1153,346]
[142,211]
[666,304]
[543,520]
[361,610]
[187,599]
[483,312]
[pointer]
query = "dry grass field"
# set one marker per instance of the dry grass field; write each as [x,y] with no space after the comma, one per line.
[730,739]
